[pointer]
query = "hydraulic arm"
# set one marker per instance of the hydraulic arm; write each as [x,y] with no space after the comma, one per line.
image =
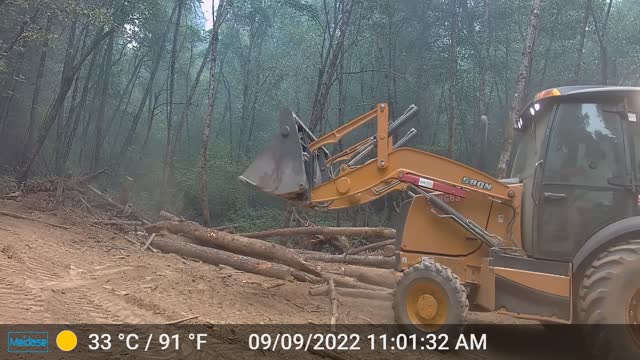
[297,166]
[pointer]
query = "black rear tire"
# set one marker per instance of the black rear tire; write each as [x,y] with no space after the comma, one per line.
[444,285]
[605,302]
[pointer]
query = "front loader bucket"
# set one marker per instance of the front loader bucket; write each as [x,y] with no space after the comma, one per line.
[281,168]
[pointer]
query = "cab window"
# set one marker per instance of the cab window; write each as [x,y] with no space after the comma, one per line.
[528,141]
[585,147]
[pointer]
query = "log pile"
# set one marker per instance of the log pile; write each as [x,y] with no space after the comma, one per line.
[257,256]
[247,253]
[358,275]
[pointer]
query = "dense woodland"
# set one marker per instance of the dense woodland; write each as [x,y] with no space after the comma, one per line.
[152,90]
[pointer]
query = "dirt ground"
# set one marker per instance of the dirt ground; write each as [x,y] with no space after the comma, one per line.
[89,274]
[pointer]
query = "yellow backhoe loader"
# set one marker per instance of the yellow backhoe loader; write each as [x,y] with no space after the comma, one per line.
[558,241]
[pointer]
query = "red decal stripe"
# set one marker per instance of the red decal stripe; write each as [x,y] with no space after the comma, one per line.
[447,189]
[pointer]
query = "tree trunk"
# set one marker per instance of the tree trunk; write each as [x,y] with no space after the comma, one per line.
[104,96]
[483,55]
[581,37]
[79,111]
[546,54]
[68,76]
[379,233]
[373,261]
[219,257]
[327,79]
[371,246]
[69,60]
[165,191]
[385,278]
[386,296]
[601,32]
[453,66]
[4,113]
[171,151]
[519,92]
[120,207]
[236,244]
[126,94]
[145,96]
[348,282]
[204,146]
[35,100]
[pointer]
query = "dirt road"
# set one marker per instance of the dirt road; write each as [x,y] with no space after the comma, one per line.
[93,275]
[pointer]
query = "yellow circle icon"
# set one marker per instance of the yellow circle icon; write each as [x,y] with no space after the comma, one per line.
[66,340]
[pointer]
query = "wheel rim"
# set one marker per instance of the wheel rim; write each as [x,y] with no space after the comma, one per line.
[633,316]
[426,304]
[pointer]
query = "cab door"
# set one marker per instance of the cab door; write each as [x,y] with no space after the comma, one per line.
[585,180]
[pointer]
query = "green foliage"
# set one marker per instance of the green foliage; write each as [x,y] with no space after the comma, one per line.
[270,54]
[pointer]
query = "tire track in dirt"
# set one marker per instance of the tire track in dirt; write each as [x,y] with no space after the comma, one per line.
[44,286]
[122,311]
[21,304]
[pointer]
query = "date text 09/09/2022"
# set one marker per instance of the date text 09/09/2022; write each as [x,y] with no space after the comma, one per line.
[306,342]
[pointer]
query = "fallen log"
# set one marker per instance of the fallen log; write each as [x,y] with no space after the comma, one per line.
[146,245]
[170,217]
[380,233]
[385,278]
[356,293]
[70,182]
[118,222]
[175,237]
[373,261]
[230,228]
[351,283]
[339,279]
[219,257]
[18,216]
[389,251]
[371,246]
[333,298]
[237,244]
[117,205]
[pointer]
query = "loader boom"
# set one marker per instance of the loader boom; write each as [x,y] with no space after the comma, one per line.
[394,169]
[297,166]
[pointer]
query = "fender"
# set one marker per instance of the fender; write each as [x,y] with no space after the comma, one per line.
[604,236]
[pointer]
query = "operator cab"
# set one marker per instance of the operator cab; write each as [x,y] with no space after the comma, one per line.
[577,152]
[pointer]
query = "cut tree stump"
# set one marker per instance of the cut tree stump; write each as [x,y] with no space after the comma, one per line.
[236,244]
[380,233]
[371,246]
[356,293]
[126,188]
